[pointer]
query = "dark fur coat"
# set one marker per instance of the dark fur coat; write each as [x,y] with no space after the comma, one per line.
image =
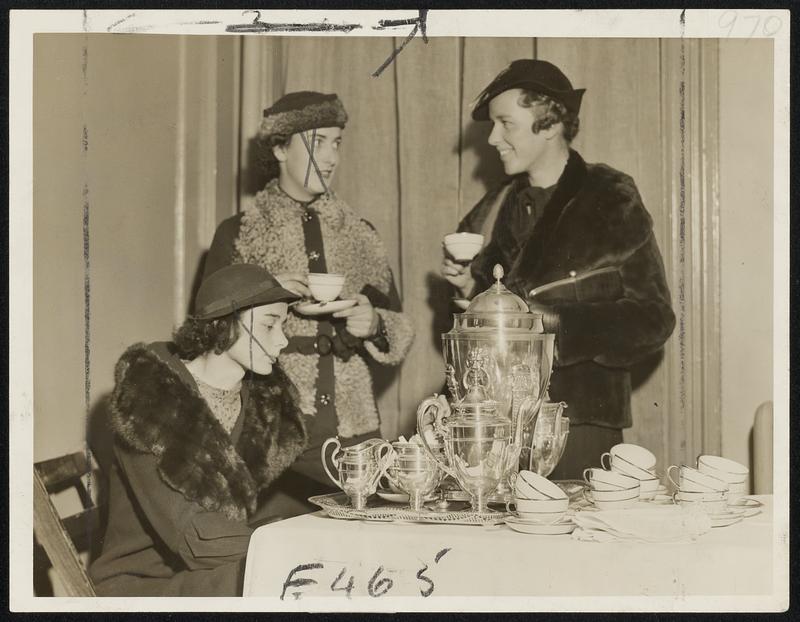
[155,410]
[181,488]
[594,219]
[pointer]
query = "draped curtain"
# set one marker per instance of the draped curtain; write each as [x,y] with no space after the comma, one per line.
[413,163]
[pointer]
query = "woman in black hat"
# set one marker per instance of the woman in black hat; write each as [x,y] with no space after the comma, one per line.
[559,216]
[202,426]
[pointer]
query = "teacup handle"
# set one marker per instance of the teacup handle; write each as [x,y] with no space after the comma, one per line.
[509,504]
[603,464]
[669,475]
[338,444]
[586,478]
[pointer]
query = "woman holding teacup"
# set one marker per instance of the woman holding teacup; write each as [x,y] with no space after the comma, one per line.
[297,227]
[202,425]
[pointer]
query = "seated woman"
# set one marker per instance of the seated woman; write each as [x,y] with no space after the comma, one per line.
[201,427]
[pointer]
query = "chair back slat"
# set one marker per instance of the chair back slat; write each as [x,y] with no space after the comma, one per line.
[58,473]
[54,537]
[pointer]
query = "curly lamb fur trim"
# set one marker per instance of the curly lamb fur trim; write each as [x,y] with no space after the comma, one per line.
[271,235]
[400,334]
[154,410]
[323,114]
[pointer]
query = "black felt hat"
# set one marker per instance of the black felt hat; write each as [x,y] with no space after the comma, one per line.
[235,287]
[536,75]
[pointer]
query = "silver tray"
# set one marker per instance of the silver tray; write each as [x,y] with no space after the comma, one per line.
[337,505]
[573,488]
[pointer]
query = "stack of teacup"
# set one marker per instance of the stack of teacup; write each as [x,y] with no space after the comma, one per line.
[610,490]
[538,502]
[714,484]
[733,473]
[699,489]
[635,462]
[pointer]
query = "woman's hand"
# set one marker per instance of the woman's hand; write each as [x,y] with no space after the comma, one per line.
[458,275]
[362,320]
[295,282]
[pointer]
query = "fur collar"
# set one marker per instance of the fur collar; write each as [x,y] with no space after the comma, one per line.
[156,409]
[602,205]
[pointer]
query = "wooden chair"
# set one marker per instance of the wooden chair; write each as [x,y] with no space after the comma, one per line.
[762,450]
[63,538]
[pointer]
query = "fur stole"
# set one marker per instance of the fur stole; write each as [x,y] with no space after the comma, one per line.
[156,409]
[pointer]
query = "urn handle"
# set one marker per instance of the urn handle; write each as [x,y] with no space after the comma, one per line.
[436,407]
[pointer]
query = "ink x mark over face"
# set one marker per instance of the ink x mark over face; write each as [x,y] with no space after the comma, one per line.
[261,338]
[308,162]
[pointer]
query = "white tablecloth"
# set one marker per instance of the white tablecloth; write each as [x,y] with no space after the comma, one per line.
[314,555]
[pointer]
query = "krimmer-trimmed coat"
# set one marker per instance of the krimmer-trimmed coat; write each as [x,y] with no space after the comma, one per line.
[181,488]
[594,219]
[270,234]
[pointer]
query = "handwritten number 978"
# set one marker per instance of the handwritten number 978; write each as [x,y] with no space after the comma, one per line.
[769,25]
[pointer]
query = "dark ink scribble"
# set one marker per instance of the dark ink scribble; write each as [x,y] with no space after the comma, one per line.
[375,587]
[291,581]
[347,588]
[258,26]
[312,161]
[421,576]
[440,554]
[119,21]
[420,25]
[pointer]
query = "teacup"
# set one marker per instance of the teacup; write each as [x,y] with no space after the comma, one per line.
[463,246]
[542,511]
[710,502]
[530,485]
[724,469]
[325,287]
[610,495]
[648,488]
[692,480]
[600,479]
[609,504]
[627,454]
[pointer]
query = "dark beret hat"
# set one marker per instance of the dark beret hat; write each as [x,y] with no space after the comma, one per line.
[536,75]
[236,287]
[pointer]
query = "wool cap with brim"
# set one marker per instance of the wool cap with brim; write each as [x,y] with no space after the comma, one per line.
[536,75]
[302,111]
[236,287]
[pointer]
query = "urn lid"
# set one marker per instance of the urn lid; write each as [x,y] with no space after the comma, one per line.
[498,298]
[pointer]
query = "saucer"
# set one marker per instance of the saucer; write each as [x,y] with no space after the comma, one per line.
[745,502]
[461,303]
[725,519]
[323,308]
[556,529]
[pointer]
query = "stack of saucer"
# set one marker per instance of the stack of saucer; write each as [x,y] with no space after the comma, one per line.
[540,507]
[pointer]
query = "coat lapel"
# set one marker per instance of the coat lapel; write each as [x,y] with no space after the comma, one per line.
[532,260]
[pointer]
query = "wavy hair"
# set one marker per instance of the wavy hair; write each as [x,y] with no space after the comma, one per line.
[196,337]
[548,112]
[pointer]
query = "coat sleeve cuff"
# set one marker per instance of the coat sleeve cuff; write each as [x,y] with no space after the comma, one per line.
[399,334]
